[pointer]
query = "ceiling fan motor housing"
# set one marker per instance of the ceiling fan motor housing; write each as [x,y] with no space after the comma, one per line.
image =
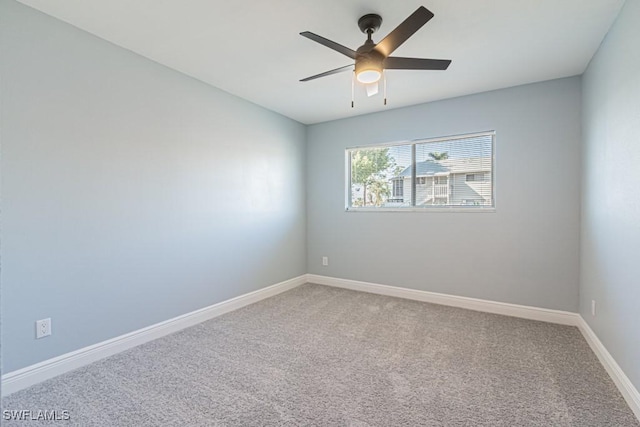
[368,59]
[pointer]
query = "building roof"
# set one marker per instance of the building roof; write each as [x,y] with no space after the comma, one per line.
[426,168]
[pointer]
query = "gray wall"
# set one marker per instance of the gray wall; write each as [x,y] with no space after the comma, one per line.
[131,193]
[610,267]
[526,252]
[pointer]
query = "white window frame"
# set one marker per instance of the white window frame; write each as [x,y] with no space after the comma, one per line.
[434,208]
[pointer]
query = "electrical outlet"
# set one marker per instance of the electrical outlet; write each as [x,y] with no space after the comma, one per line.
[325,261]
[593,307]
[43,328]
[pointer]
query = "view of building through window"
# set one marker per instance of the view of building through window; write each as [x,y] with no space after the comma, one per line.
[438,173]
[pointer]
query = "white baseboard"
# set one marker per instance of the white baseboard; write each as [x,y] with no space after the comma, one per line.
[628,391]
[514,310]
[30,375]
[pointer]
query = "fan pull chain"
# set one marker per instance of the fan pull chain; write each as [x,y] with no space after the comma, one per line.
[353,82]
[384,84]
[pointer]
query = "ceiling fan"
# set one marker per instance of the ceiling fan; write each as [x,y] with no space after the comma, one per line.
[372,58]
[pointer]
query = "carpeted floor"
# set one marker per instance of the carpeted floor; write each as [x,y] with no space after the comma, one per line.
[323,356]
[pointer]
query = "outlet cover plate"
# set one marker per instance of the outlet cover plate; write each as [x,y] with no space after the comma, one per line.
[43,328]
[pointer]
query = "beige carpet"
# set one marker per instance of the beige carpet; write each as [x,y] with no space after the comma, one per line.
[323,356]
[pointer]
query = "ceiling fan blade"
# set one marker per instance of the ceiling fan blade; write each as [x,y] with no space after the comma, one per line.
[372,89]
[399,63]
[328,73]
[403,31]
[330,44]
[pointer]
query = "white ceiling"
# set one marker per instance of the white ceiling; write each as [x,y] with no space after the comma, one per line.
[251,48]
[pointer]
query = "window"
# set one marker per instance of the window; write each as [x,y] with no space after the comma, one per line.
[431,174]
[472,177]
[398,188]
[441,179]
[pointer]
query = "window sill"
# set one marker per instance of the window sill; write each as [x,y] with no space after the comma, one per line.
[488,209]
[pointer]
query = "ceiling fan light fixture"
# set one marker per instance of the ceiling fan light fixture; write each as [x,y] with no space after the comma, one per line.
[368,69]
[368,76]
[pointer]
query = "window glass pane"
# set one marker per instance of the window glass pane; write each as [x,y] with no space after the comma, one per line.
[455,172]
[381,176]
